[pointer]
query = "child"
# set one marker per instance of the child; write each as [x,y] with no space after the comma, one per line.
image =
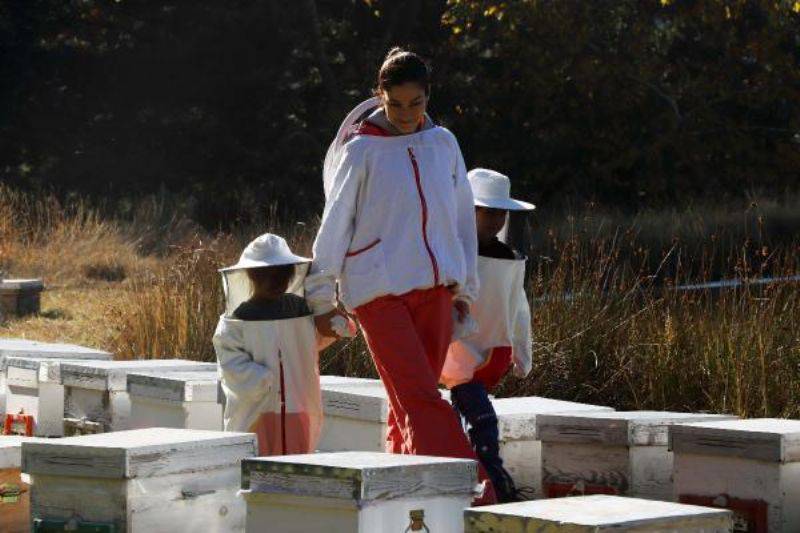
[267,350]
[476,363]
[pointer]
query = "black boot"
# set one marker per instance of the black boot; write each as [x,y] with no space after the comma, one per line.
[471,401]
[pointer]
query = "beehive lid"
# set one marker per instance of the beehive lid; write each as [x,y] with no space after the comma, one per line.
[112,375]
[39,370]
[335,381]
[22,284]
[619,428]
[361,401]
[763,439]
[516,417]
[11,450]
[366,400]
[360,476]
[200,386]
[137,453]
[46,350]
[593,514]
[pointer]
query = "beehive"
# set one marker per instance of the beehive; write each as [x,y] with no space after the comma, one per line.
[14,487]
[749,466]
[188,400]
[618,453]
[41,350]
[96,393]
[20,297]
[355,415]
[34,388]
[596,514]
[360,492]
[520,447]
[141,481]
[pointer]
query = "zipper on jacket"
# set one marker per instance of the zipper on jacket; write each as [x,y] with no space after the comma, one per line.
[424,205]
[283,404]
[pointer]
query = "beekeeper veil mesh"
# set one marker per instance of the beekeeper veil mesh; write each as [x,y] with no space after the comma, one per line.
[271,263]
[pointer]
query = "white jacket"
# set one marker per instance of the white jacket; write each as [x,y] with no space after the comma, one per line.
[264,362]
[504,319]
[398,216]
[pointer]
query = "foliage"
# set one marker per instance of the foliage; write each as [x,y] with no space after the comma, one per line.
[230,105]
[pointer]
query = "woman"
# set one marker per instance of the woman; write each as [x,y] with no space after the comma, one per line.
[398,236]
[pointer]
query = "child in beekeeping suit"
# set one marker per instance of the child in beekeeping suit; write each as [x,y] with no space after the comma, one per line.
[502,341]
[267,350]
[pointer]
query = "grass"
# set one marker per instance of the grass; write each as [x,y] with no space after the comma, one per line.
[609,326]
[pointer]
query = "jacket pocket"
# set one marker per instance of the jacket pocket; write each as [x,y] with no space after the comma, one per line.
[365,275]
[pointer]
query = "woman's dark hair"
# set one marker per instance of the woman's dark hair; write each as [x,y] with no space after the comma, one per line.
[402,66]
[272,280]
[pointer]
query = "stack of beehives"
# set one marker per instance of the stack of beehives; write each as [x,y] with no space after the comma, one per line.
[148,456]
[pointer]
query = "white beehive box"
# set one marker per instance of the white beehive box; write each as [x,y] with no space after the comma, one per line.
[359,492]
[158,480]
[33,387]
[188,400]
[14,487]
[355,415]
[596,514]
[520,447]
[41,350]
[97,392]
[619,453]
[749,466]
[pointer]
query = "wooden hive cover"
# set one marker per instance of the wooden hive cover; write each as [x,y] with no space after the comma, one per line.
[618,428]
[199,386]
[594,514]
[361,400]
[360,476]
[333,381]
[37,370]
[112,375]
[21,284]
[763,439]
[137,453]
[516,417]
[46,350]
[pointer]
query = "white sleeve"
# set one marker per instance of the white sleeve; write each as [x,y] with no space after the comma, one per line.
[467,233]
[335,233]
[240,374]
[523,341]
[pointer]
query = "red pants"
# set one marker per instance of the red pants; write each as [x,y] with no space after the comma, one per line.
[408,336]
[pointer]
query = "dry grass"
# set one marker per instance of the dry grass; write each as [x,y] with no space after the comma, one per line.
[609,326]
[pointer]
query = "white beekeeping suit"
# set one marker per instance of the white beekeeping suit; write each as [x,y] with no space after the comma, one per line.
[269,368]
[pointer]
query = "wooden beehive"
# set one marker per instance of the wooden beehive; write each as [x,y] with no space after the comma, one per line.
[596,514]
[41,350]
[188,400]
[355,415]
[20,297]
[33,388]
[749,466]
[364,492]
[96,393]
[520,447]
[14,487]
[618,453]
[158,480]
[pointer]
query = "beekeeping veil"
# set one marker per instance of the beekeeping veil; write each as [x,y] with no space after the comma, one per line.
[334,155]
[268,250]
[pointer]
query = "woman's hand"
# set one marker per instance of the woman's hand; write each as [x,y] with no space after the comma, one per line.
[462,310]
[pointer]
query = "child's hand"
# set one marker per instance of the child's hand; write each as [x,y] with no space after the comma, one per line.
[462,310]
[324,325]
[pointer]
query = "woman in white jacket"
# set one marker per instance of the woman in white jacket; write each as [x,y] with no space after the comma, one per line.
[398,239]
